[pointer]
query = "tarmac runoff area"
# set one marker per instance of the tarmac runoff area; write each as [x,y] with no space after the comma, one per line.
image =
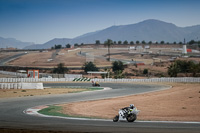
[12,117]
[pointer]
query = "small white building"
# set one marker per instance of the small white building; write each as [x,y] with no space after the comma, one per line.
[184,51]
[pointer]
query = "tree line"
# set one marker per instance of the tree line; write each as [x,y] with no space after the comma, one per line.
[59,46]
[117,68]
[149,42]
[185,67]
[189,68]
[191,42]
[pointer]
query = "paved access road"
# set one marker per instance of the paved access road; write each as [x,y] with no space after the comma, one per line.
[12,116]
[5,60]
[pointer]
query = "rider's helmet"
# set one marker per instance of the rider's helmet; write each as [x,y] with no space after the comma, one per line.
[131,106]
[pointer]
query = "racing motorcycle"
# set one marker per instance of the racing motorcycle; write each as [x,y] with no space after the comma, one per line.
[129,115]
[95,84]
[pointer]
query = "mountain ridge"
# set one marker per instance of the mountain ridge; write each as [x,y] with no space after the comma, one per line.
[147,30]
[14,43]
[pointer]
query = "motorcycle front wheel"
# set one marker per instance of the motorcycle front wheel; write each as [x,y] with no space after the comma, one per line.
[131,118]
[116,118]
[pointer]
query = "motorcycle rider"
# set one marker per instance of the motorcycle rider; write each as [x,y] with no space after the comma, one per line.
[95,83]
[129,109]
[128,113]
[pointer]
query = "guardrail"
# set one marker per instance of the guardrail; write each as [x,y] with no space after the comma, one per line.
[185,79]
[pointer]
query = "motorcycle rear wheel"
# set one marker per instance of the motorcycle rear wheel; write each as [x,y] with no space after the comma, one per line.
[131,118]
[116,118]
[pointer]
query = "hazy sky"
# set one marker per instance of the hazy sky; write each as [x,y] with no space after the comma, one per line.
[39,21]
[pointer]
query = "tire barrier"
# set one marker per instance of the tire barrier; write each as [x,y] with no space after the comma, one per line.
[21,86]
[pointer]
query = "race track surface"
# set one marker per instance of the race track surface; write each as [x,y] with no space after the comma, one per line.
[12,116]
[5,60]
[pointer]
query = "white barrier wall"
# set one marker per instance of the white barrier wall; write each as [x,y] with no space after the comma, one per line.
[73,76]
[185,79]
[9,80]
[13,73]
[21,86]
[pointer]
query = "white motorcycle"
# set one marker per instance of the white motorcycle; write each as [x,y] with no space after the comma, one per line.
[129,115]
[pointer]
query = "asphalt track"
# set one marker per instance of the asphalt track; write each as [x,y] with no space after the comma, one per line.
[12,116]
[5,60]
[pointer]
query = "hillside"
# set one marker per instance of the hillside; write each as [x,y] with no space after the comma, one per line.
[50,43]
[11,42]
[148,30]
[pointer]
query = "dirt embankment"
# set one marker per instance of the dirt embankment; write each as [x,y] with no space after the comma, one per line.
[180,103]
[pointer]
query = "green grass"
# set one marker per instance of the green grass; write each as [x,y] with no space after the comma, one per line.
[89,89]
[81,87]
[95,88]
[53,110]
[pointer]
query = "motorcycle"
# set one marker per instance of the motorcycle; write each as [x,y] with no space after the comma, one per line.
[126,115]
[95,84]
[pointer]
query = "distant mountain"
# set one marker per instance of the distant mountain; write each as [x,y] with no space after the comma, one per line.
[51,43]
[11,42]
[148,30]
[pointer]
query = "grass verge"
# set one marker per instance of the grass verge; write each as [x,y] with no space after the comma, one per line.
[54,110]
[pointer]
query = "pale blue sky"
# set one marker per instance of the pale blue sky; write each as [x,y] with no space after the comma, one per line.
[39,21]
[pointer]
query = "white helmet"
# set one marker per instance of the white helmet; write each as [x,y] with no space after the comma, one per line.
[131,106]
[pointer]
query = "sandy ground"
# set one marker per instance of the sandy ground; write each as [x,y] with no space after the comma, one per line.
[33,92]
[180,103]
[41,59]
[72,59]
